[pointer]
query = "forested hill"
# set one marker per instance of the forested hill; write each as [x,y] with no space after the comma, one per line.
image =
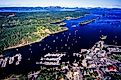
[20,28]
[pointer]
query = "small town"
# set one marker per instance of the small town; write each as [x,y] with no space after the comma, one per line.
[95,62]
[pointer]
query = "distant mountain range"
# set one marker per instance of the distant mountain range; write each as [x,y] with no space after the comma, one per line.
[50,8]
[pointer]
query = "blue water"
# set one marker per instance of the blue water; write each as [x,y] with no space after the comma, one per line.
[70,41]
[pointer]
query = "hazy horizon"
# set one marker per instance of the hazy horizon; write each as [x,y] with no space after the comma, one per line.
[62,3]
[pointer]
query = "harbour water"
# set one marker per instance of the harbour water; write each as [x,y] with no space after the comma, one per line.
[73,40]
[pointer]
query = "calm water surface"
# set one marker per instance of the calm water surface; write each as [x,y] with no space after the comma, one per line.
[73,40]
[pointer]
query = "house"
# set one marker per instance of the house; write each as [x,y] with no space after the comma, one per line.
[111,68]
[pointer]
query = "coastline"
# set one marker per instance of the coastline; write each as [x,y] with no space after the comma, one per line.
[61,22]
[20,45]
[68,18]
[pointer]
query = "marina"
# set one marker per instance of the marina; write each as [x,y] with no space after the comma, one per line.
[70,41]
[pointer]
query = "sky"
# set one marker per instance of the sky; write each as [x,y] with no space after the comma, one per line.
[62,3]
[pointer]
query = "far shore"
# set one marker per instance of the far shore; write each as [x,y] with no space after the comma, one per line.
[68,18]
[20,45]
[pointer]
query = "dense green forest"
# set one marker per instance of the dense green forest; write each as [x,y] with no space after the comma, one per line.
[26,27]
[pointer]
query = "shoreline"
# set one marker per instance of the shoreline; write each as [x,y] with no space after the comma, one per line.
[61,21]
[70,18]
[21,45]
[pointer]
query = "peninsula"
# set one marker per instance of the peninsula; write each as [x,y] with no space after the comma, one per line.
[23,28]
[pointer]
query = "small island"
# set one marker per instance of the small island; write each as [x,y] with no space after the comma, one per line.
[86,22]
